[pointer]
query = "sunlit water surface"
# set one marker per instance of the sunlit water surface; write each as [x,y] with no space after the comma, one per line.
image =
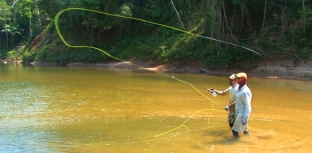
[62,109]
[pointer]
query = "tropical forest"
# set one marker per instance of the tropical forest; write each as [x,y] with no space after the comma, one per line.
[212,33]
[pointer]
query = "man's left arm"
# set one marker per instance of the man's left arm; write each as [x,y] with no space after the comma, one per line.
[247,106]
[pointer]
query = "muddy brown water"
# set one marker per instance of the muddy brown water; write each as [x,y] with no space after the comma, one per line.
[62,109]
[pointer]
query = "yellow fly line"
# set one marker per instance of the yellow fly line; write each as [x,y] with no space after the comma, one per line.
[113,57]
[109,55]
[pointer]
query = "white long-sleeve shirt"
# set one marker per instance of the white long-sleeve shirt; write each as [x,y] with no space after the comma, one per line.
[243,102]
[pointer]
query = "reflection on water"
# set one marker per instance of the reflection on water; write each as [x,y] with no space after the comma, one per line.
[21,128]
[60,109]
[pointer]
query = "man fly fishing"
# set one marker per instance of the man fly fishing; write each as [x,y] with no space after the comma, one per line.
[231,90]
[242,106]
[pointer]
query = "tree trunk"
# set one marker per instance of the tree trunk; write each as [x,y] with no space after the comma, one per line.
[283,18]
[220,27]
[30,29]
[92,34]
[6,34]
[304,19]
[264,14]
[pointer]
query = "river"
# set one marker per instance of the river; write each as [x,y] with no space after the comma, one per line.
[70,109]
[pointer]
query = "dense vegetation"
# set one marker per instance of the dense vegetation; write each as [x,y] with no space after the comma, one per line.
[276,29]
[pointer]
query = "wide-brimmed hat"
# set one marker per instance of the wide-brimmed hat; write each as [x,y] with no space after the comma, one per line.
[241,75]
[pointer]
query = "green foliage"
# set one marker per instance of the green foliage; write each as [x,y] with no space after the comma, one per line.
[11,30]
[305,53]
[5,14]
[43,53]
[25,9]
[12,55]
[307,13]
[285,30]
[126,9]
[28,56]
[15,54]
[85,55]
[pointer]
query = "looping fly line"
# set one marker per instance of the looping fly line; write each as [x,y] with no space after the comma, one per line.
[113,57]
[109,55]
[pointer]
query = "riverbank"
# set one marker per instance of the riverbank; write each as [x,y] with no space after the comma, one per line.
[273,70]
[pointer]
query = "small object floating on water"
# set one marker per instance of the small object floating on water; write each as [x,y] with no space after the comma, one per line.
[273,77]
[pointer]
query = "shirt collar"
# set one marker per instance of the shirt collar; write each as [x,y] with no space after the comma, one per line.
[243,87]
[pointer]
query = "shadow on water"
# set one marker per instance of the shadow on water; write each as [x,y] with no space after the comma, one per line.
[220,137]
